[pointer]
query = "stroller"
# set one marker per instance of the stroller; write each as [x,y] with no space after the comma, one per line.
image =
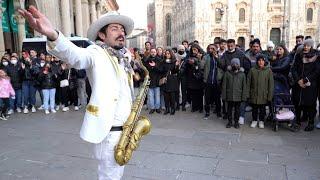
[282,109]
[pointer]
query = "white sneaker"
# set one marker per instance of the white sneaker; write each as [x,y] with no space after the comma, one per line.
[187,105]
[53,111]
[248,108]
[241,120]
[10,111]
[41,107]
[318,125]
[76,108]
[46,111]
[33,109]
[19,110]
[26,110]
[65,109]
[261,124]
[254,124]
[2,117]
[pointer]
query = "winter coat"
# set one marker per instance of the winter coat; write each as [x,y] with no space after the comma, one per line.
[169,70]
[154,72]
[281,66]
[234,86]
[194,75]
[15,73]
[30,73]
[260,85]
[48,81]
[306,67]
[218,71]
[6,89]
[225,60]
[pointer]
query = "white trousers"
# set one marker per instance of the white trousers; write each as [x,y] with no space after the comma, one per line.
[108,168]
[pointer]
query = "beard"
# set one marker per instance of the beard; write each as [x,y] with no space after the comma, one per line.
[118,47]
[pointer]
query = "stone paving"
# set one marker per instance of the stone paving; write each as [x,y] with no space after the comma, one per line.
[183,146]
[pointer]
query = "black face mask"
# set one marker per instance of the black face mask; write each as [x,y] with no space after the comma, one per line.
[234,68]
[181,52]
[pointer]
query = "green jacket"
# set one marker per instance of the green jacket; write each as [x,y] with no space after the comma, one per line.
[260,85]
[207,63]
[234,87]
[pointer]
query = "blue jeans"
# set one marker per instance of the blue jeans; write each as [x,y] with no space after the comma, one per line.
[17,102]
[243,106]
[29,93]
[154,98]
[49,96]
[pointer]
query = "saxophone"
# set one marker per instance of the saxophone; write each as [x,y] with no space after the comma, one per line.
[135,127]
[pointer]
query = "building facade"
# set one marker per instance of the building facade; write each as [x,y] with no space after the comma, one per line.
[137,39]
[71,17]
[210,20]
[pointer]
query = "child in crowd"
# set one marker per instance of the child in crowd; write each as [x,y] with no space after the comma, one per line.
[234,91]
[260,87]
[6,91]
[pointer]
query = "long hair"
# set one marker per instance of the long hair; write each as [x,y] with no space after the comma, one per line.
[173,57]
[286,52]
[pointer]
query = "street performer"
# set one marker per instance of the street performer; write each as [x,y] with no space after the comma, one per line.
[108,67]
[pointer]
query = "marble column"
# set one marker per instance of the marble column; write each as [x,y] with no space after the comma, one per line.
[65,17]
[93,12]
[2,48]
[85,17]
[21,30]
[78,10]
[98,10]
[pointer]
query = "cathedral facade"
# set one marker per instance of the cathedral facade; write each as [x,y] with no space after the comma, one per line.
[172,21]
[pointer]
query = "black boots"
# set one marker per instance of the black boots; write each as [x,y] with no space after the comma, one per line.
[167,111]
[173,111]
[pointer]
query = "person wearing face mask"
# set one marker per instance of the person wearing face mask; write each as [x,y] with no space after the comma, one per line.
[4,64]
[234,91]
[47,82]
[225,61]
[15,74]
[182,56]
[305,73]
[169,69]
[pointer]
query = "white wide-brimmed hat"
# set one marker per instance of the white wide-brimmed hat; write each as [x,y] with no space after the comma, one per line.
[110,18]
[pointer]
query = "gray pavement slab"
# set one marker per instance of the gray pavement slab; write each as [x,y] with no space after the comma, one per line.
[183,147]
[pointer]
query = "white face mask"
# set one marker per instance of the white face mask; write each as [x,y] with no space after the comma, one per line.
[42,64]
[5,63]
[14,62]
[168,60]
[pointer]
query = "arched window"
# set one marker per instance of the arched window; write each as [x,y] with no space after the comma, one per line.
[275,35]
[242,14]
[309,15]
[218,15]
[168,29]
[241,42]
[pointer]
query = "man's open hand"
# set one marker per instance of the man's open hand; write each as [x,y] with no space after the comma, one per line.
[39,22]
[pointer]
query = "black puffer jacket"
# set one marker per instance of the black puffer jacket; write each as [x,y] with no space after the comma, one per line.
[154,72]
[169,70]
[47,81]
[194,74]
[15,73]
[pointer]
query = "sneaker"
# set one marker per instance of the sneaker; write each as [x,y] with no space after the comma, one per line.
[53,111]
[187,105]
[236,125]
[158,111]
[318,125]
[254,124]
[41,107]
[57,108]
[65,109]
[248,109]
[10,111]
[309,128]
[33,109]
[25,110]
[76,108]
[46,111]
[219,115]
[241,120]
[261,124]
[152,111]
[19,110]
[3,117]
[229,125]
[206,116]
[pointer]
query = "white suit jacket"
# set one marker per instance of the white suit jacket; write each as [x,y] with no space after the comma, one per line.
[102,71]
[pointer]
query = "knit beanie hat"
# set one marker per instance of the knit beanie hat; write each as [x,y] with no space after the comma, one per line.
[309,42]
[235,61]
